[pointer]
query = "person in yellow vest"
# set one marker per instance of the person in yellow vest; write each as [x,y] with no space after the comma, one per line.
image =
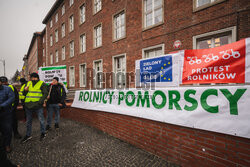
[35,92]
[14,108]
[21,96]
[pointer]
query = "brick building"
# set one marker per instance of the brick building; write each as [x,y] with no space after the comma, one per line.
[109,35]
[35,52]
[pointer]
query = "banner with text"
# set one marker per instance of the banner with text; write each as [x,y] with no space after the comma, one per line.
[219,109]
[225,64]
[47,74]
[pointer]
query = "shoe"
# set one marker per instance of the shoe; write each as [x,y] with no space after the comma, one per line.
[17,136]
[56,126]
[8,149]
[26,138]
[42,136]
[48,127]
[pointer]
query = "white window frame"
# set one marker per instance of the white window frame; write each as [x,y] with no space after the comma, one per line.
[57,59]
[83,81]
[70,75]
[120,26]
[63,9]
[95,4]
[56,35]
[151,48]
[145,27]
[51,23]
[71,23]
[71,49]
[56,17]
[43,39]
[51,40]
[83,43]
[51,58]
[96,37]
[43,52]
[63,52]
[115,71]
[63,29]
[82,14]
[71,2]
[232,30]
[95,79]
[197,8]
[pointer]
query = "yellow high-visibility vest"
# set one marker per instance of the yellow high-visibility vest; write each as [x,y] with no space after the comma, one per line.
[21,96]
[34,93]
[13,91]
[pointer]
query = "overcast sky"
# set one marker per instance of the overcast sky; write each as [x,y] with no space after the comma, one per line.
[19,20]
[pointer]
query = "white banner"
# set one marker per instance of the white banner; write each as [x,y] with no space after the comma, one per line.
[220,109]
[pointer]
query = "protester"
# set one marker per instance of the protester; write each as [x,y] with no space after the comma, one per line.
[21,96]
[55,101]
[7,97]
[35,93]
[14,108]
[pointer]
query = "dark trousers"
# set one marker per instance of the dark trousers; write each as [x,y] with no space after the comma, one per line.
[6,127]
[14,121]
[3,157]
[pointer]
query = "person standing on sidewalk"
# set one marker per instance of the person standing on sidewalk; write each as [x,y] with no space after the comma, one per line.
[14,108]
[55,101]
[6,99]
[35,93]
[21,96]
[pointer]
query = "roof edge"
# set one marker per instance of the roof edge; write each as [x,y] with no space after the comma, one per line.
[52,10]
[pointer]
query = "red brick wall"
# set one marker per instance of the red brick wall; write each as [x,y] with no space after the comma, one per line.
[180,145]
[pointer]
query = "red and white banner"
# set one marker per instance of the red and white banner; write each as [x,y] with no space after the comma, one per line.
[225,64]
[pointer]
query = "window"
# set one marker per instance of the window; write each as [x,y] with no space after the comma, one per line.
[82,14]
[56,35]
[215,38]
[51,58]
[119,25]
[63,29]
[97,6]
[71,49]
[119,68]
[71,2]
[56,56]
[98,36]
[153,51]
[201,4]
[63,9]
[153,12]
[98,74]
[72,76]
[43,39]
[51,40]
[71,23]
[82,43]
[51,23]
[56,17]
[82,73]
[43,53]
[63,53]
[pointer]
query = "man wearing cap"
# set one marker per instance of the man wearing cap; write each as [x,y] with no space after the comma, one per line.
[14,108]
[35,93]
[56,99]
[6,99]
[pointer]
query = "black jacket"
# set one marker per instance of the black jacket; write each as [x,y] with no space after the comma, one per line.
[57,94]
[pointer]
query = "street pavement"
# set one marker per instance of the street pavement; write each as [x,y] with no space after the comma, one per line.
[78,145]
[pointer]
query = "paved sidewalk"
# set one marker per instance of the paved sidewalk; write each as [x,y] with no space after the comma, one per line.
[77,145]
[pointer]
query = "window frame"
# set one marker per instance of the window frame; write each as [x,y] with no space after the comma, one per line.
[51,40]
[63,9]
[83,5]
[195,8]
[51,59]
[56,56]
[56,17]
[113,25]
[143,18]
[113,70]
[70,75]
[94,81]
[233,31]
[80,76]
[56,35]
[80,45]
[63,30]
[70,30]
[94,44]
[51,23]
[63,57]
[151,48]
[71,3]
[70,48]
[95,12]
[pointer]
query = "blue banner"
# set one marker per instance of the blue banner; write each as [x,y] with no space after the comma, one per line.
[157,69]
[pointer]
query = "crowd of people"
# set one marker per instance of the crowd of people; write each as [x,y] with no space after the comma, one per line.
[34,96]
